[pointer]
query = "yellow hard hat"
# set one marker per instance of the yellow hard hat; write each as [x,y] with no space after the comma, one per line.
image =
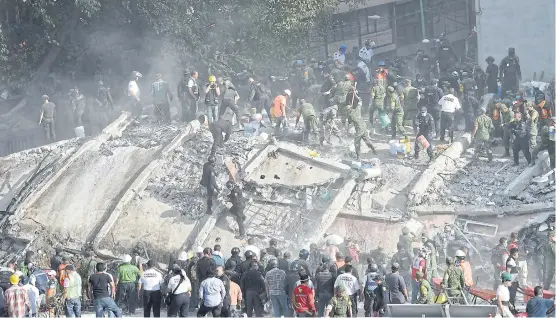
[14,279]
[212,78]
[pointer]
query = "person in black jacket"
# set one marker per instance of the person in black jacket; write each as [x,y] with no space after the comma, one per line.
[380,299]
[208,180]
[225,312]
[491,76]
[238,205]
[469,105]
[423,124]
[217,128]
[252,286]
[292,276]
[324,287]
[235,258]
[205,265]
[521,141]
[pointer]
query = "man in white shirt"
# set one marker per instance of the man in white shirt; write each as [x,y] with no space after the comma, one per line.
[351,285]
[179,288]
[366,52]
[191,98]
[341,54]
[365,70]
[151,280]
[251,247]
[449,105]
[134,94]
[34,297]
[212,293]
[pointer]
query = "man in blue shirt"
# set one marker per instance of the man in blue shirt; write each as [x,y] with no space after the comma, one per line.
[538,306]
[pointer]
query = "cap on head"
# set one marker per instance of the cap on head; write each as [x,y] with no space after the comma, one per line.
[199,250]
[137,74]
[14,279]
[419,275]
[391,89]
[423,109]
[395,266]
[211,159]
[506,277]
[449,260]
[100,83]
[126,258]
[288,92]
[381,63]
[455,73]
[230,185]
[482,110]
[511,51]
[489,59]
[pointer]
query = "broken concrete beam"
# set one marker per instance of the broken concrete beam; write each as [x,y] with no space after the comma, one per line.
[369,215]
[332,212]
[519,209]
[445,159]
[303,153]
[116,128]
[526,177]
[138,185]
[250,166]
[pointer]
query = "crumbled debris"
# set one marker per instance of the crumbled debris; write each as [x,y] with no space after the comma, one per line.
[146,135]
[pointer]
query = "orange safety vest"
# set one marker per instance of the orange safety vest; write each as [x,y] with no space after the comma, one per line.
[62,273]
[277,104]
[544,113]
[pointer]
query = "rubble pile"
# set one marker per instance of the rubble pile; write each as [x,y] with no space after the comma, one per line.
[146,135]
[179,185]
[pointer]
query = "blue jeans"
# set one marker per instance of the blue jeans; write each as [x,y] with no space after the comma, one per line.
[73,307]
[279,305]
[414,290]
[106,304]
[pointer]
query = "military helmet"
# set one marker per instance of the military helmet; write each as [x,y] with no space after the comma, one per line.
[391,89]
[249,254]
[231,265]
[294,267]
[273,242]
[158,76]
[373,268]
[419,275]
[230,184]
[273,263]
[405,230]
[212,159]
[381,63]
[304,254]
[511,51]
[490,59]
[449,260]
[100,83]
[325,259]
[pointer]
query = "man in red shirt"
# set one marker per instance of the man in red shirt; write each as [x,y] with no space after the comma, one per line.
[419,264]
[303,299]
[513,241]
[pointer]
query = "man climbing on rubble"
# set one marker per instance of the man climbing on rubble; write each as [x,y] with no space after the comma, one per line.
[481,134]
[259,97]
[409,99]
[212,94]
[378,96]
[47,119]
[78,106]
[353,112]
[238,205]
[423,125]
[217,128]
[521,139]
[162,96]
[449,105]
[309,119]
[134,95]
[532,124]
[328,125]
[208,180]
[397,113]
[230,98]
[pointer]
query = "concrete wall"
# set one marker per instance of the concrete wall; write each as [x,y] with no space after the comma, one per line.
[526,25]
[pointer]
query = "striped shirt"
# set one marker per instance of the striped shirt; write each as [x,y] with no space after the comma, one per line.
[15,299]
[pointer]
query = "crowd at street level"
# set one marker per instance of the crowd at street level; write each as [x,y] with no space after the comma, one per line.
[323,281]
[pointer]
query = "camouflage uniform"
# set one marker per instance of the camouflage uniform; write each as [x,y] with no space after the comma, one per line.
[482,137]
[340,305]
[340,96]
[354,116]
[507,115]
[397,114]
[532,121]
[328,123]
[453,280]
[426,293]
[309,119]
[378,96]
[409,98]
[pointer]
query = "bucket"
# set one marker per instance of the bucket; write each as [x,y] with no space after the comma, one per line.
[79,131]
[394,145]
[423,142]
[384,120]
[248,130]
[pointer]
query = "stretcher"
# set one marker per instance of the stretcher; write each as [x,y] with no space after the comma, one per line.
[529,292]
[487,295]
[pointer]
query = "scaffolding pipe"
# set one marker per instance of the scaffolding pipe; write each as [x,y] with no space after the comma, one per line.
[422,19]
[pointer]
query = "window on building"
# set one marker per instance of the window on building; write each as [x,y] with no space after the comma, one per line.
[408,23]
[371,25]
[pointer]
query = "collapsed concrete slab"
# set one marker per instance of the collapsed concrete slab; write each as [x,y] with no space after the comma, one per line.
[465,210]
[526,177]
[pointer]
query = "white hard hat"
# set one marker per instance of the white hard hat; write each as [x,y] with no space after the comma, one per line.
[288,92]
[126,258]
[460,253]
[199,249]
[182,256]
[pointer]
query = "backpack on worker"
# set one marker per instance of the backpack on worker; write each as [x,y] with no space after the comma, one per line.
[370,285]
[41,280]
[511,67]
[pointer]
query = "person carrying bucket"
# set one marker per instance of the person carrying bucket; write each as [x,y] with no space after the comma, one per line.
[423,124]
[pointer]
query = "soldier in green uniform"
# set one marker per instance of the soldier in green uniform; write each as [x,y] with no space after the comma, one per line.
[547,142]
[378,96]
[328,124]
[453,279]
[309,119]
[397,112]
[549,256]
[532,122]
[481,134]
[406,238]
[126,284]
[339,97]
[354,117]
[340,304]
[507,117]
[409,99]
[426,293]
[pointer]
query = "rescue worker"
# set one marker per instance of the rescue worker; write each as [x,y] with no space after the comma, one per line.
[532,124]
[78,106]
[549,257]
[259,95]
[468,84]
[324,285]
[521,139]
[409,99]
[424,64]
[462,263]
[236,258]
[445,53]
[378,98]
[397,113]
[510,72]
[470,107]
[503,296]
[368,287]
[396,286]
[309,119]
[481,79]
[513,269]
[453,281]
[126,284]
[252,286]
[302,261]
[134,95]
[191,272]
[406,238]
[47,119]
[190,98]
[543,109]
[208,181]
[279,106]
[340,305]
[432,95]
[340,98]
[547,142]
[229,100]
[481,134]
[492,76]
[420,82]
[238,205]
[403,259]
[354,116]
[327,86]
[328,125]
[161,93]
[507,117]
[105,104]
[366,52]
[426,293]
[449,105]
[423,124]
[217,128]
[212,94]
